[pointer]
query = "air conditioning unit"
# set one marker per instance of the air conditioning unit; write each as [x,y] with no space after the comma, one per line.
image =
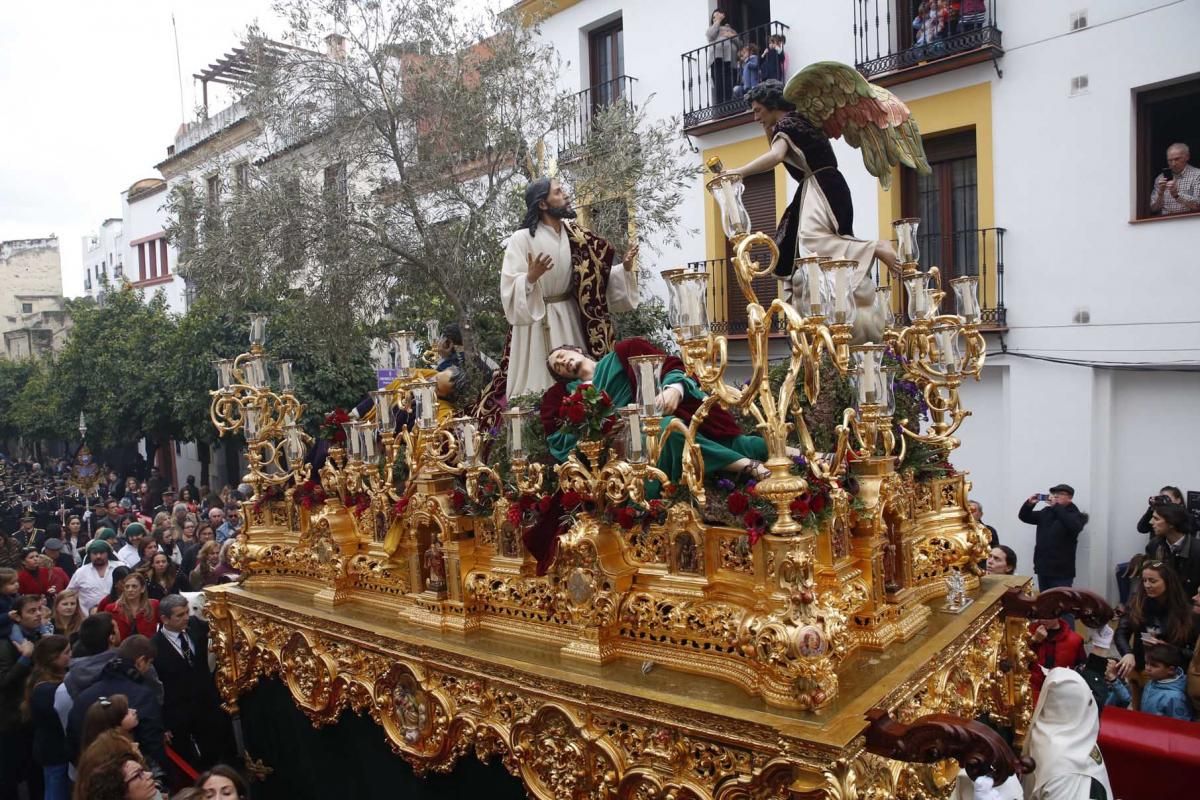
[1079,20]
[1079,85]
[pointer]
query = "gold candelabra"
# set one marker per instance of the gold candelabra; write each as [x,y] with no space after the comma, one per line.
[244,402]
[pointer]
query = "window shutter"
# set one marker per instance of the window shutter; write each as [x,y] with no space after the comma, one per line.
[759,199]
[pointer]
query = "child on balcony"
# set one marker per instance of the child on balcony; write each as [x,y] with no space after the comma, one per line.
[747,71]
[1164,693]
[770,63]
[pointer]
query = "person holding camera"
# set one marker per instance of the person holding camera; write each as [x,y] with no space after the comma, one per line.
[1173,544]
[1177,188]
[1059,524]
[1167,494]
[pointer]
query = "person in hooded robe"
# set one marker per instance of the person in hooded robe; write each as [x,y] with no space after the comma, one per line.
[558,284]
[1062,742]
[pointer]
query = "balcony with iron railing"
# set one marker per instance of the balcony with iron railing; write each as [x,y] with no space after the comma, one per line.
[711,98]
[579,111]
[977,252]
[894,43]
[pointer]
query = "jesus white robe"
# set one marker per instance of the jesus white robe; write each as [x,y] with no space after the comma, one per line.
[545,314]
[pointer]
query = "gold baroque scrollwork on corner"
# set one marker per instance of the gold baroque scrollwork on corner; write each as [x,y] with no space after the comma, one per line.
[310,676]
[558,761]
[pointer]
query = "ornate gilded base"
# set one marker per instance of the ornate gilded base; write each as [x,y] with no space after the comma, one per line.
[573,729]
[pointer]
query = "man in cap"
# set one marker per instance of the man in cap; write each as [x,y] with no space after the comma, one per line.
[53,550]
[94,580]
[131,553]
[28,535]
[1059,524]
[558,285]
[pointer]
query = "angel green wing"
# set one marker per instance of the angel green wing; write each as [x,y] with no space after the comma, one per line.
[840,101]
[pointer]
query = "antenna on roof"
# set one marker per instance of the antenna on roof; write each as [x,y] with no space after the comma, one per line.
[178,70]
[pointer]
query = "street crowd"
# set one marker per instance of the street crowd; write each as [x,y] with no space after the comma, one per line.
[106,684]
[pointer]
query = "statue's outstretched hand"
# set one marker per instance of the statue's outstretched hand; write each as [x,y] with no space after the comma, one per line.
[537,267]
[629,257]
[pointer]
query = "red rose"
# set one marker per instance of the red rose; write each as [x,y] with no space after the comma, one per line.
[607,425]
[514,515]
[605,400]
[543,505]
[575,413]
[571,499]
[754,520]
[800,507]
[458,499]
[817,503]
[400,506]
[627,517]
[737,503]
[657,506]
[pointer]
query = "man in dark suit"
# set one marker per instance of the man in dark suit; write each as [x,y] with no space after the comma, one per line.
[200,730]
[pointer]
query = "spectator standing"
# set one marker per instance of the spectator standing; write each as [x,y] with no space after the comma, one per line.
[1002,561]
[112,516]
[1158,614]
[16,736]
[33,577]
[123,778]
[1167,494]
[94,580]
[165,578]
[74,541]
[976,509]
[67,615]
[1059,524]
[771,61]
[51,656]
[223,783]
[207,561]
[1054,644]
[204,534]
[191,705]
[1177,190]
[134,612]
[126,674]
[106,714]
[53,550]
[721,59]
[1171,544]
[973,15]
[131,553]
[1165,692]
[221,528]
[748,67]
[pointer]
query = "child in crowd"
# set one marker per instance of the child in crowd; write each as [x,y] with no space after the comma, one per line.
[770,63]
[918,24]
[1165,691]
[1054,644]
[748,71]
[10,587]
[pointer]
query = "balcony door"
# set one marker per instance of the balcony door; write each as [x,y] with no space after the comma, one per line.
[606,57]
[947,202]
[759,199]
[746,14]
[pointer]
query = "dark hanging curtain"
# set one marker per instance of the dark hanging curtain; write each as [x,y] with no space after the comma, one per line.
[349,759]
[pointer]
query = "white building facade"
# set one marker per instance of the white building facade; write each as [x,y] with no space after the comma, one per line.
[1045,124]
[103,258]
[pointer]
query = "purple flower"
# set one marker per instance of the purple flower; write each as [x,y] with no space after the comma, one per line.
[725,485]
[750,485]
[798,460]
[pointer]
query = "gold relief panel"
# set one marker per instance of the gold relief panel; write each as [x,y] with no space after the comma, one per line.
[557,760]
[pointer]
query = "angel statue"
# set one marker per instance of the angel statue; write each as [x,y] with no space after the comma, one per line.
[826,100]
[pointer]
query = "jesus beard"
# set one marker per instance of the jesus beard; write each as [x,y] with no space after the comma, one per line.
[561,212]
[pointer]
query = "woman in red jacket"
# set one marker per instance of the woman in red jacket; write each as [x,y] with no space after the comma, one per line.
[1054,644]
[134,611]
[33,578]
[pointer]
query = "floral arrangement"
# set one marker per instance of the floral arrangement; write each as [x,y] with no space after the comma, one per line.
[588,412]
[309,494]
[630,515]
[489,491]
[331,428]
[266,496]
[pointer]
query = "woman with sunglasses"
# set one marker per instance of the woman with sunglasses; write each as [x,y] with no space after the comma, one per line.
[1159,613]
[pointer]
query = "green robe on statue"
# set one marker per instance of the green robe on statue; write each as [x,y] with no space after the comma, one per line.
[610,376]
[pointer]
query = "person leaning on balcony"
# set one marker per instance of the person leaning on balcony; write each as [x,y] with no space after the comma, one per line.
[1179,193]
[820,218]
[972,15]
[722,56]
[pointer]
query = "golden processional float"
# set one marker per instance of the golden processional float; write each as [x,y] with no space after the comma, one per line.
[838,641]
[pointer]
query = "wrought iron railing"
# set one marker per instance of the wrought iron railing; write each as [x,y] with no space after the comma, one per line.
[580,109]
[976,251]
[728,302]
[711,76]
[891,35]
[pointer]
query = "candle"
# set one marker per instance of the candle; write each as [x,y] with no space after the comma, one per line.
[635,433]
[402,356]
[468,440]
[517,419]
[646,384]
[868,380]
[840,293]
[814,287]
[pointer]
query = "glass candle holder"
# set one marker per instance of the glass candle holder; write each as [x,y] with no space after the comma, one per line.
[934,302]
[251,419]
[425,397]
[868,379]
[727,190]
[367,432]
[516,418]
[883,306]
[947,353]
[916,286]
[966,298]
[293,445]
[689,303]
[284,369]
[432,332]
[648,371]
[838,305]
[258,329]
[635,443]
[224,368]
[907,250]
[468,442]
[383,400]
[352,443]
[402,347]
[809,293]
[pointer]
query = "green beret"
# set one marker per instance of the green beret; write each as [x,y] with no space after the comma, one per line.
[98,546]
[104,534]
[135,529]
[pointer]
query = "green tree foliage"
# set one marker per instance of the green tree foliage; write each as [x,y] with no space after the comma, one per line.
[390,172]
[13,377]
